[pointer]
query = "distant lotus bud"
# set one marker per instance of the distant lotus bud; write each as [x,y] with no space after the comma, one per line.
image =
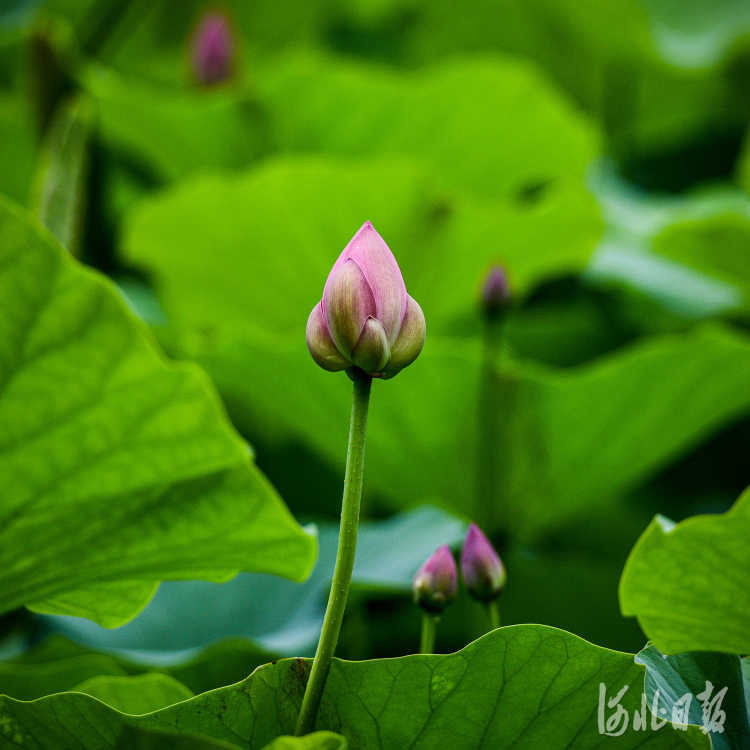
[481,567]
[213,49]
[495,291]
[366,319]
[435,584]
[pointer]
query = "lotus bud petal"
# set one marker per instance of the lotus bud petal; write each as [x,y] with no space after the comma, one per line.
[320,343]
[372,351]
[366,313]
[435,584]
[347,302]
[410,340]
[376,260]
[495,291]
[482,570]
[212,49]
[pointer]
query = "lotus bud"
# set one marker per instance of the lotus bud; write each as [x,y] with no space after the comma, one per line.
[435,584]
[495,291]
[366,319]
[213,49]
[481,567]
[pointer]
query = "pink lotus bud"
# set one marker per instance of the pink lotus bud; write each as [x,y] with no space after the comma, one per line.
[495,291]
[481,567]
[212,49]
[435,584]
[366,319]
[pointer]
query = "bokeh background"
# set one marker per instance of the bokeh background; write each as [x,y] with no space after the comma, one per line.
[597,149]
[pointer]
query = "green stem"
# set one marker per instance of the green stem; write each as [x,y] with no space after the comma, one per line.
[427,641]
[494,611]
[488,416]
[342,574]
[62,179]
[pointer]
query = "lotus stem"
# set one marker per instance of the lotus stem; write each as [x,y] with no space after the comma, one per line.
[493,608]
[342,574]
[489,414]
[427,641]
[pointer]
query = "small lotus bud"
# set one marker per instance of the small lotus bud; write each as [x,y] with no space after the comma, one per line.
[435,584]
[481,567]
[212,49]
[366,319]
[495,291]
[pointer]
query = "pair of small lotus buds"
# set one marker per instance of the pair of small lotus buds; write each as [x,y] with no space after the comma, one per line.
[436,582]
[366,319]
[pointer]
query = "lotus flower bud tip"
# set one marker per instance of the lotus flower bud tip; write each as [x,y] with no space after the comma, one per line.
[435,584]
[212,49]
[495,291]
[366,319]
[482,570]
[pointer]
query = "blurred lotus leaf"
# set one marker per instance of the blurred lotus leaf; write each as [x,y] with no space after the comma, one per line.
[228,300]
[140,694]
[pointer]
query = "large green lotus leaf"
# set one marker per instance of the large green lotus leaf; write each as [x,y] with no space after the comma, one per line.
[561,332]
[566,590]
[314,741]
[135,738]
[57,665]
[137,694]
[173,133]
[186,616]
[258,246]
[675,249]
[525,686]
[30,681]
[52,648]
[218,289]
[493,127]
[623,418]
[537,241]
[718,246]
[217,665]
[690,690]
[694,34]
[125,599]
[415,421]
[576,592]
[116,466]
[17,147]
[568,331]
[604,54]
[686,582]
